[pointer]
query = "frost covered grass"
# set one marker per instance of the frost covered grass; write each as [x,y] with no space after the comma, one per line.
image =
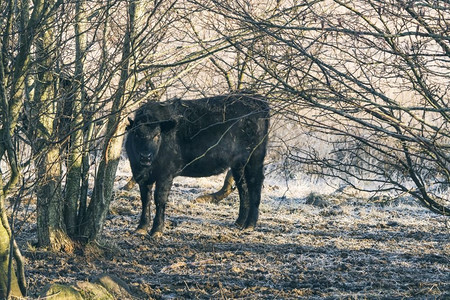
[346,246]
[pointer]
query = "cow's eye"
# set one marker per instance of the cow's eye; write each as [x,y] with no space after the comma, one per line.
[141,134]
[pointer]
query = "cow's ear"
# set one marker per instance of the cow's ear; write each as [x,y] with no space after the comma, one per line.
[130,124]
[168,125]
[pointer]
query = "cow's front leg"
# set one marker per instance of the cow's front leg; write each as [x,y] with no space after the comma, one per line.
[162,189]
[146,195]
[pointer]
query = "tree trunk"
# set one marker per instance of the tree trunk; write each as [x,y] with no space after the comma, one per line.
[14,289]
[85,175]
[104,182]
[104,186]
[73,183]
[12,275]
[50,224]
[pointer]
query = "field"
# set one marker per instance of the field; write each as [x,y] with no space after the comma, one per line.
[338,246]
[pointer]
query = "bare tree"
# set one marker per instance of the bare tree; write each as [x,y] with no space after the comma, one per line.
[98,208]
[46,149]
[18,31]
[79,147]
[69,78]
[366,77]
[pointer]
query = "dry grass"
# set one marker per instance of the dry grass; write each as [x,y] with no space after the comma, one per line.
[347,249]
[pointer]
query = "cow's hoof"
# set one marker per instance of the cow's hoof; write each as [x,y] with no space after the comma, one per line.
[239,224]
[250,224]
[156,235]
[245,226]
[204,199]
[249,227]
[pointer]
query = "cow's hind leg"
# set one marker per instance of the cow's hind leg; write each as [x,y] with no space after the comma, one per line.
[226,190]
[244,203]
[129,185]
[146,195]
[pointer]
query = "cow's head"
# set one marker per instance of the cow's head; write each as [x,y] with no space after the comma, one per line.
[148,128]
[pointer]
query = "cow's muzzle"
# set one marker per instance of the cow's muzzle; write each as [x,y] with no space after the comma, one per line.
[146,159]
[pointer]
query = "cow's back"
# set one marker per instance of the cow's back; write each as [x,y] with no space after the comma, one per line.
[215,133]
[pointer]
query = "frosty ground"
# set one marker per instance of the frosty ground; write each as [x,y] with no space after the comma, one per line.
[343,246]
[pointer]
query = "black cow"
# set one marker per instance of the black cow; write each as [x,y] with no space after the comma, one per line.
[199,138]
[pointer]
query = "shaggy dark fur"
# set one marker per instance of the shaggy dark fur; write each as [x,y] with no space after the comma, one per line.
[199,138]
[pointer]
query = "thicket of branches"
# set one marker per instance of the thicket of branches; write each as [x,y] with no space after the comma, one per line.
[368,79]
